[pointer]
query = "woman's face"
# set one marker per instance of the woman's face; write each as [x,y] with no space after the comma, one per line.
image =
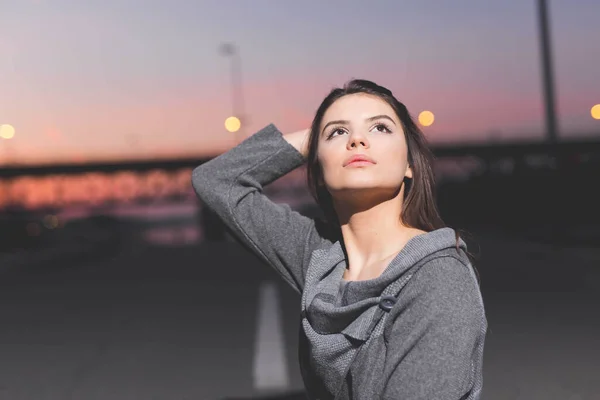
[365,125]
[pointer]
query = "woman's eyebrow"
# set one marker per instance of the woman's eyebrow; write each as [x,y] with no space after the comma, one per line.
[382,116]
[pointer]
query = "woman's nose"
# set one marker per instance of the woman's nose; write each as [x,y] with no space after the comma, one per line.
[357,140]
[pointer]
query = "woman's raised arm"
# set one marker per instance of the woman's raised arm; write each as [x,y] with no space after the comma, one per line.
[231,185]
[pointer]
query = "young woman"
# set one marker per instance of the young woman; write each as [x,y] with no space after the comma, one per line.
[391,307]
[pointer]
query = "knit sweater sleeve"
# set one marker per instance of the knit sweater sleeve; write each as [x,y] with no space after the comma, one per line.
[231,185]
[436,341]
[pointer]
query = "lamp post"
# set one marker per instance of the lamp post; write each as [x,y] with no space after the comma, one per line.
[212,226]
[237,97]
[559,224]
[547,71]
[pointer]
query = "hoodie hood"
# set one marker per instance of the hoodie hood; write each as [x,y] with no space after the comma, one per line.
[336,314]
[415,250]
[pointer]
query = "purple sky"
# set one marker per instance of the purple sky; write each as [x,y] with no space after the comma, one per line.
[123,78]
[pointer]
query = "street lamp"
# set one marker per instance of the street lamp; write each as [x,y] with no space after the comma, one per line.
[7,131]
[426,118]
[595,111]
[235,123]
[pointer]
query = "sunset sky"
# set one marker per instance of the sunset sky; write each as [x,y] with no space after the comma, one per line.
[84,80]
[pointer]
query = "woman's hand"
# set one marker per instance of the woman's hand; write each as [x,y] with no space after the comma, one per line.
[299,140]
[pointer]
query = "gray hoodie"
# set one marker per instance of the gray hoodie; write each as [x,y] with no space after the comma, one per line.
[415,332]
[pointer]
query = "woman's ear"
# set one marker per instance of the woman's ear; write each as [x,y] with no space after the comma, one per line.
[409,172]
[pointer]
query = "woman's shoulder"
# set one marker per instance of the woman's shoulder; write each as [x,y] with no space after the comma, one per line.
[443,284]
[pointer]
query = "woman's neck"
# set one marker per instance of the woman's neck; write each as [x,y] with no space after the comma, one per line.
[374,235]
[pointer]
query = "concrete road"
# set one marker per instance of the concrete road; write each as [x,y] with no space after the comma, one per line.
[175,323]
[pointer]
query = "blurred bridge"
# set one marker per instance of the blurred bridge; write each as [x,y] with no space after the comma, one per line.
[580,150]
[57,185]
[488,183]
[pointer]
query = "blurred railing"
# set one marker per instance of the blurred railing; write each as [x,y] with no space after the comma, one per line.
[533,188]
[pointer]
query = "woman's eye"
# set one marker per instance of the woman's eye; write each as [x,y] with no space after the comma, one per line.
[382,128]
[336,131]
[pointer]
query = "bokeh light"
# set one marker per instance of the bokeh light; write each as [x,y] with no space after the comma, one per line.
[595,111]
[7,131]
[51,221]
[426,118]
[233,124]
